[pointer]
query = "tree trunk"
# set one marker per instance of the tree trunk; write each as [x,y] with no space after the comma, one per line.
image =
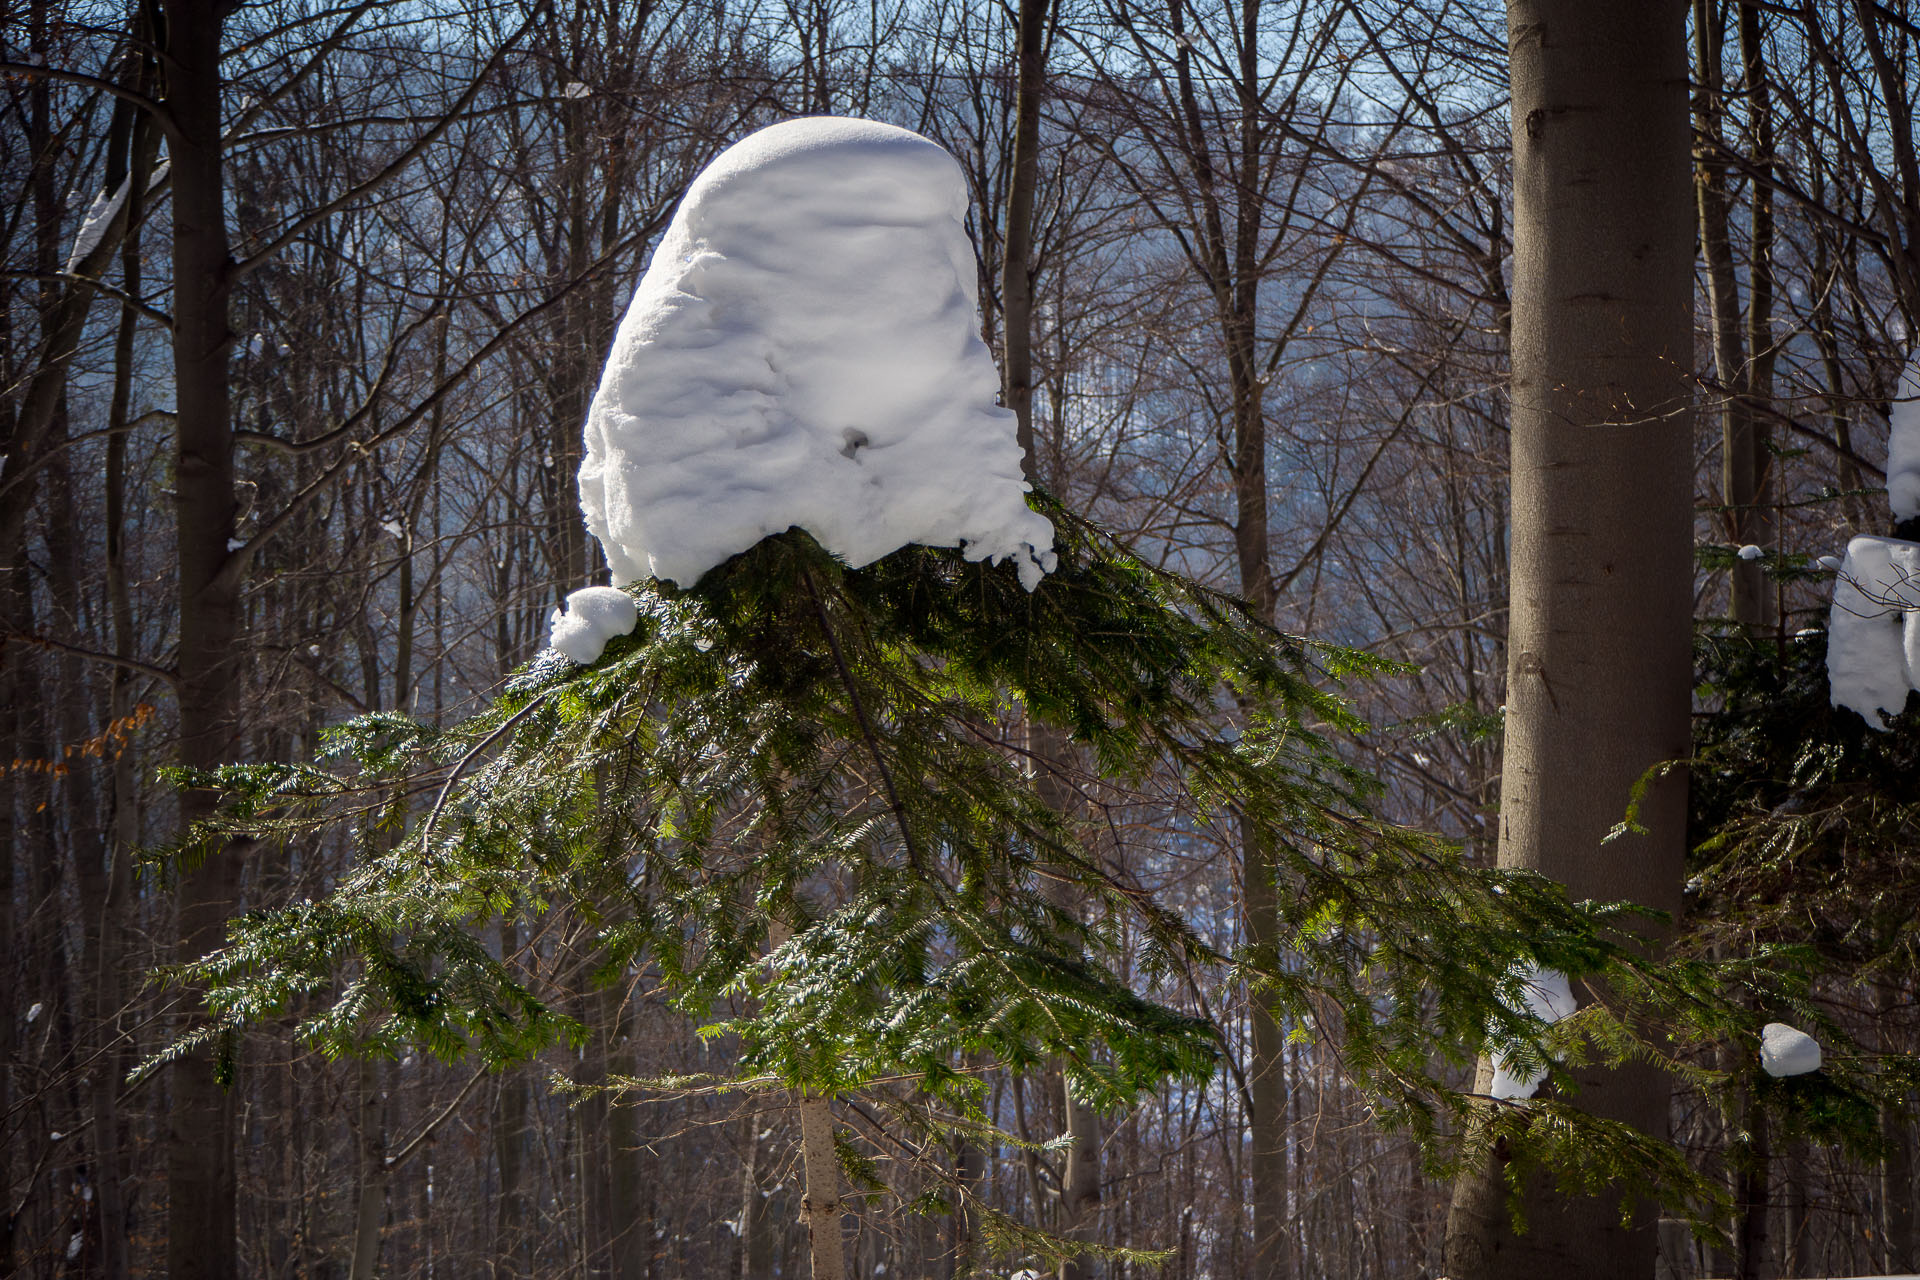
[200,1143]
[123,833]
[970,1170]
[510,1220]
[1599,674]
[1764,607]
[1080,1182]
[631,1244]
[1080,1185]
[821,1207]
[1752,1192]
[370,1181]
[1740,490]
[1266,1079]
[1896,1167]
[754,1259]
[1797,1248]
[1016,279]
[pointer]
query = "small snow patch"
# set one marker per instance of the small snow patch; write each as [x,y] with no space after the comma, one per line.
[34,1012]
[1750,552]
[593,616]
[1549,998]
[575,89]
[94,226]
[1787,1051]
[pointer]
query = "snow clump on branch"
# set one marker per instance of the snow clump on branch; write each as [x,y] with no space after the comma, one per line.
[1787,1051]
[593,616]
[1549,998]
[1873,630]
[804,349]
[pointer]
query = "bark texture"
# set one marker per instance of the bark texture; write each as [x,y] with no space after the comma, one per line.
[200,1146]
[1599,669]
[822,1205]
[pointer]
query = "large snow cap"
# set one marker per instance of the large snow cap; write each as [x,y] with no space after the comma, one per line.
[804,350]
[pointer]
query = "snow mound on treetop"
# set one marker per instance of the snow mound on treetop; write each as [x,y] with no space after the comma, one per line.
[804,349]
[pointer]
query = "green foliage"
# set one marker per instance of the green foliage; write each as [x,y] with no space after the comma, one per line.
[803,800]
[1803,821]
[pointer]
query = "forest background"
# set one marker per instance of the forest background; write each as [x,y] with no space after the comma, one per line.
[1270,323]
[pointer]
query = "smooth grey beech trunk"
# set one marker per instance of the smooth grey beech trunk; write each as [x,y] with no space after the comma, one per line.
[1598,654]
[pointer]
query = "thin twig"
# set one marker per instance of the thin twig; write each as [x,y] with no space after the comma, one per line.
[426,831]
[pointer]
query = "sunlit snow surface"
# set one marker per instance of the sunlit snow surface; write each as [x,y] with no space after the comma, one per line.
[1787,1051]
[1873,631]
[1549,998]
[804,350]
[1903,444]
[99,215]
[593,616]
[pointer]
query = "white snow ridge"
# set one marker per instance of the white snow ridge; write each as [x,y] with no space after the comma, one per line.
[804,350]
[593,616]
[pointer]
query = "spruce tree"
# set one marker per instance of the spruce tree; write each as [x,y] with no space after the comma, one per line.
[800,792]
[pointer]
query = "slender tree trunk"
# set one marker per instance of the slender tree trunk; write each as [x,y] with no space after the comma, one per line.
[1765,605]
[1752,1192]
[11,683]
[1740,488]
[970,1170]
[370,1180]
[1896,1193]
[821,1208]
[123,834]
[1599,674]
[1016,279]
[200,1145]
[1080,1184]
[753,1259]
[1797,1247]
[510,1227]
[631,1244]
[1896,1168]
